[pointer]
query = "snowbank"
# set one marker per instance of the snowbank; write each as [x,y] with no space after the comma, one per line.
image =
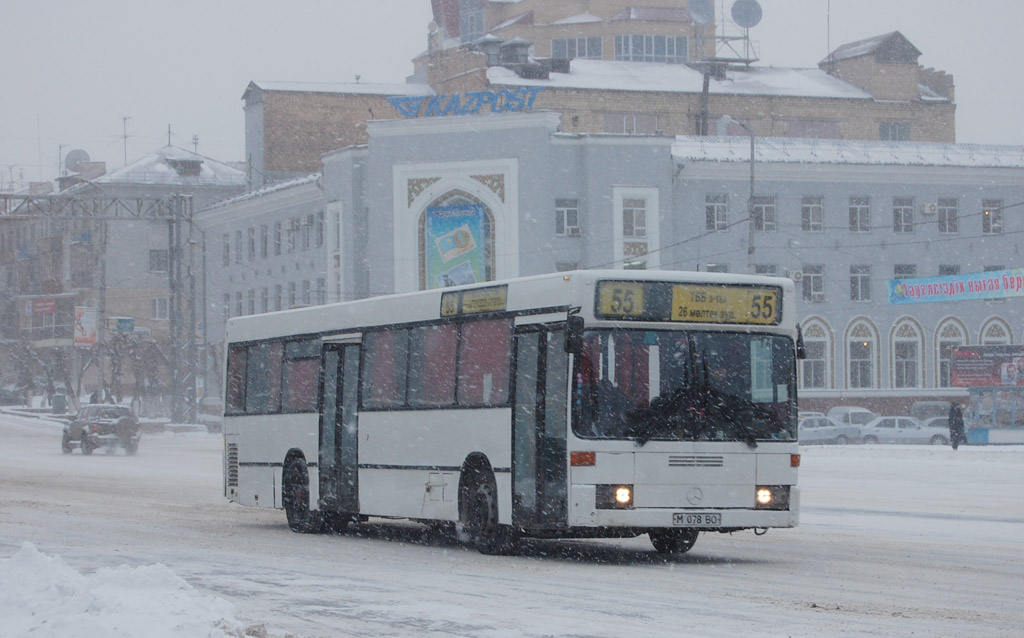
[41,596]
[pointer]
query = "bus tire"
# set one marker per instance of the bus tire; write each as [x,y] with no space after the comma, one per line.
[673,541]
[478,514]
[295,498]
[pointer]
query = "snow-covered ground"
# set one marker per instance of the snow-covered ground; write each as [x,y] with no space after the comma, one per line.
[894,541]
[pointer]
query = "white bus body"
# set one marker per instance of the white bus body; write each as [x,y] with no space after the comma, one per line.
[583,404]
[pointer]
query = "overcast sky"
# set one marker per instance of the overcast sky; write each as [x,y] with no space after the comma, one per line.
[73,70]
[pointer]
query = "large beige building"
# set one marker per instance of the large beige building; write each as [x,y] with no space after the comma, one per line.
[607,66]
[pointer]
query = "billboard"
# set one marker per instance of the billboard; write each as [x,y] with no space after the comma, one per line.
[85,326]
[998,284]
[455,240]
[975,366]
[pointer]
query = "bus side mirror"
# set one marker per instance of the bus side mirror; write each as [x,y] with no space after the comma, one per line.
[801,349]
[574,334]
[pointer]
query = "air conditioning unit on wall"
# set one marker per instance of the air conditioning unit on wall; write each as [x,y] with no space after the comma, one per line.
[795,275]
[929,208]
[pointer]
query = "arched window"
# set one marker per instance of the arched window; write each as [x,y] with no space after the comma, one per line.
[907,350]
[996,332]
[815,370]
[861,355]
[456,241]
[950,334]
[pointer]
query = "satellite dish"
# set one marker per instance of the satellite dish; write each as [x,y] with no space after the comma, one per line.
[746,13]
[702,11]
[432,28]
[73,160]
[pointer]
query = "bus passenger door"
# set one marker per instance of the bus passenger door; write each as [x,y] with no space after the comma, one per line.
[539,463]
[339,463]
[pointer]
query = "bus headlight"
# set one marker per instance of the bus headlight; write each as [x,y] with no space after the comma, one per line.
[614,497]
[771,497]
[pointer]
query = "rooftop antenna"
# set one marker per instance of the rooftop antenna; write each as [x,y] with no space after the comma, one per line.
[168,134]
[124,136]
[195,144]
[702,12]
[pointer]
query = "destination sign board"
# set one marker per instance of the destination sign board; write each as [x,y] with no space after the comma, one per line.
[689,303]
[474,301]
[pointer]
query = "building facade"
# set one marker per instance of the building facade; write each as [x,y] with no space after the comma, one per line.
[842,218]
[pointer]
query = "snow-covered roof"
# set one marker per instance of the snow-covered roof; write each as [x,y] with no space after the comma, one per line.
[870,46]
[653,14]
[583,18]
[354,88]
[175,166]
[522,18]
[256,194]
[678,78]
[817,151]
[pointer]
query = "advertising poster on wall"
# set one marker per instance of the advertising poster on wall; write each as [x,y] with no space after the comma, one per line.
[85,326]
[975,366]
[455,238]
[998,284]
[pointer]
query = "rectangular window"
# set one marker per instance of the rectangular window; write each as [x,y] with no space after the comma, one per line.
[264,299]
[764,213]
[634,218]
[227,306]
[894,131]
[278,300]
[292,294]
[158,308]
[903,214]
[238,246]
[905,364]
[567,218]
[573,48]
[652,48]
[251,298]
[771,270]
[234,401]
[321,291]
[385,357]
[227,249]
[432,365]
[860,364]
[307,231]
[813,283]
[320,229]
[946,270]
[860,215]
[299,375]
[812,214]
[948,216]
[484,355]
[158,261]
[294,224]
[992,217]
[630,123]
[264,241]
[238,304]
[716,268]
[904,271]
[263,378]
[307,298]
[814,365]
[860,283]
[277,238]
[716,207]
[252,244]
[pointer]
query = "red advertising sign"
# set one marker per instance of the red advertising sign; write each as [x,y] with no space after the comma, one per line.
[975,366]
[44,306]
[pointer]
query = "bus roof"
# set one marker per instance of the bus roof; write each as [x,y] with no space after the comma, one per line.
[555,292]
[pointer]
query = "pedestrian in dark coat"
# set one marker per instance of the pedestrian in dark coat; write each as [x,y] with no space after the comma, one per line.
[957,435]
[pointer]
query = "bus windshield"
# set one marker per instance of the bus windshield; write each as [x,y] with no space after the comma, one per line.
[685,386]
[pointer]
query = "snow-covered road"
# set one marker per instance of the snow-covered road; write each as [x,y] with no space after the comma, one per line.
[894,541]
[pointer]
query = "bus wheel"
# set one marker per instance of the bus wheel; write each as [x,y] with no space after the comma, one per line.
[673,541]
[478,515]
[295,499]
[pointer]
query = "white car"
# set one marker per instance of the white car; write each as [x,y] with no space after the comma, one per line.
[821,429]
[903,429]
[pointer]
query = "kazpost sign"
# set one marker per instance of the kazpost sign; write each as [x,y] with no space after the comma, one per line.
[503,101]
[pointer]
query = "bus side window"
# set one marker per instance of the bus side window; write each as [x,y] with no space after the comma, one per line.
[485,351]
[235,400]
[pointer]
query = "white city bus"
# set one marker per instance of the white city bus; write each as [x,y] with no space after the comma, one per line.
[578,405]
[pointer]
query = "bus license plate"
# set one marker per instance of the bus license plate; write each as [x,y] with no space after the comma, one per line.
[702,519]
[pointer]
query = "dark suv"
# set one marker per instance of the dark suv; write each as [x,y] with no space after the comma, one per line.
[103,424]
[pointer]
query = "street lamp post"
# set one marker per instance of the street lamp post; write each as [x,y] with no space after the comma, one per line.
[725,120]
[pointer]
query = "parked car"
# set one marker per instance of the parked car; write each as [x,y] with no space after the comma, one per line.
[937,422]
[105,424]
[925,410]
[821,429]
[851,414]
[903,429]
